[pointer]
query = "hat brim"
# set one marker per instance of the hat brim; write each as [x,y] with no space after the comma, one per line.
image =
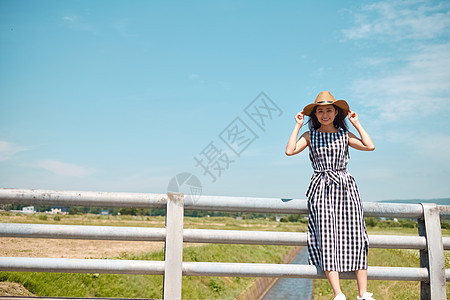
[342,104]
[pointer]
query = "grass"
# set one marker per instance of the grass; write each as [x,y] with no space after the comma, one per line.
[150,286]
[402,290]
[199,287]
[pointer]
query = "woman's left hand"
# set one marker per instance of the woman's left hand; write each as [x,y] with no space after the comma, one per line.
[353,117]
[365,142]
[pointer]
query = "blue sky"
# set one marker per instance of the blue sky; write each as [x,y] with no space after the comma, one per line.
[124,95]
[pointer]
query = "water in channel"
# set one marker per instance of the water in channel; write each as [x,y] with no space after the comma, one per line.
[292,288]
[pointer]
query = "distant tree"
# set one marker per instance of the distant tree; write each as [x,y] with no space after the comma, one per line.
[75,210]
[128,211]
[371,221]
[293,218]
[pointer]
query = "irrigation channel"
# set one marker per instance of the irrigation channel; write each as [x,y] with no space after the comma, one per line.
[292,288]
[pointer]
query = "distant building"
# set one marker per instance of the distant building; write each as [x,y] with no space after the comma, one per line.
[104,212]
[25,210]
[28,210]
[59,210]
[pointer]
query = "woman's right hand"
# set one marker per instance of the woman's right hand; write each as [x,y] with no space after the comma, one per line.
[299,118]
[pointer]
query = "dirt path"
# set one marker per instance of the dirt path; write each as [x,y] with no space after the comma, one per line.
[67,248]
[72,248]
[13,289]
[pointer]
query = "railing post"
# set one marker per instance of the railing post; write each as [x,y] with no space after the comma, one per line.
[432,257]
[173,254]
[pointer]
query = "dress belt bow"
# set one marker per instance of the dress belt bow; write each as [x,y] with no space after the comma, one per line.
[329,175]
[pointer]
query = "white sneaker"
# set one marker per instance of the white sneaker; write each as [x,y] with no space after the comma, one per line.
[366,296]
[340,296]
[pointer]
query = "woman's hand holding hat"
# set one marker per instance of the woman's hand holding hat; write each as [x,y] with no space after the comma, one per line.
[299,118]
[353,117]
[365,142]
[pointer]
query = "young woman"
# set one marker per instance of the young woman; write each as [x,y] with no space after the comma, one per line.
[337,236]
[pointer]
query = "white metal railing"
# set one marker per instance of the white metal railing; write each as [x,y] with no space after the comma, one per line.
[431,273]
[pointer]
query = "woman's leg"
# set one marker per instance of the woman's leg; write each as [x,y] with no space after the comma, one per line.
[333,278]
[361,279]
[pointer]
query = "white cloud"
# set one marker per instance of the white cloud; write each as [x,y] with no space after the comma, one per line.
[64,169]
[123,29]
[412,79]
[8,150]
[373,61]
[417,87]
[196,78]
[400,20]
[68,19]
[405,94]
[78,23]
[193,76]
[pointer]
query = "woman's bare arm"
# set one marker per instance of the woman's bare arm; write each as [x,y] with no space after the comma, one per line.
[295,146]
[365,142]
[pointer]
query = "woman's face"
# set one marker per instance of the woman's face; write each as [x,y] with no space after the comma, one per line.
[325,114]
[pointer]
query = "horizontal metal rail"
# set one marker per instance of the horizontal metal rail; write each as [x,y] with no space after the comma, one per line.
[71,265]
[82,232]
[446,243]
[203,202]
[432,272]
[296,271]
[444,211]
[295,206]
[145,267]
[82,198]
[193,235]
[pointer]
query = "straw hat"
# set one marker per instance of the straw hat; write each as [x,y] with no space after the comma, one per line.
[325,98]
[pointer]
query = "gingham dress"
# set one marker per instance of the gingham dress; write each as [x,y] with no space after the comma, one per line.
[337,236]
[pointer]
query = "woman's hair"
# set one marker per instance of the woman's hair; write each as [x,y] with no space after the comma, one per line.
[339,120]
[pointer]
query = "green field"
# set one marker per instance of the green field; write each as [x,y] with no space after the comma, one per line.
[197,287]
[150,286]
[401,290]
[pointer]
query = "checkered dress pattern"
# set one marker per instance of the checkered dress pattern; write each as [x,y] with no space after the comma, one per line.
[337,236]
